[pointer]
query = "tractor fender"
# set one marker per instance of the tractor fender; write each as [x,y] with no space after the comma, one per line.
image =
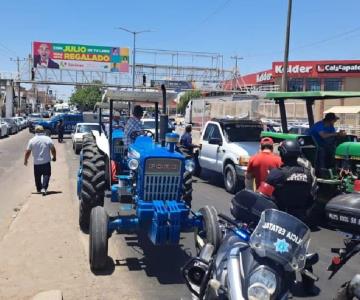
[102,142]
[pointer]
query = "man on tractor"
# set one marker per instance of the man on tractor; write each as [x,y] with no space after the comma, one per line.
[133,124]
[324,135]
[293,183]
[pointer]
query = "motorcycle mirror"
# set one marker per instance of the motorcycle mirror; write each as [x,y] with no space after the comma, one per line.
[312,259]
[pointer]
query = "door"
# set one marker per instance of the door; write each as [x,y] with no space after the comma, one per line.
[210,154]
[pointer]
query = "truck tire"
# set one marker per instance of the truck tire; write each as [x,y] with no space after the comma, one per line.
[93,184]
[187,187]
[210,232]
[231,180]
[98,238]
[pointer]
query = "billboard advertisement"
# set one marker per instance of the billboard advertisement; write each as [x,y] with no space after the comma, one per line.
[80,57]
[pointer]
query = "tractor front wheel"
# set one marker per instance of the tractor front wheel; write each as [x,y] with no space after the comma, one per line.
[98,238]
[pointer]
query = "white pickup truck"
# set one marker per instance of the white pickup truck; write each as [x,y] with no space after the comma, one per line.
[225,147]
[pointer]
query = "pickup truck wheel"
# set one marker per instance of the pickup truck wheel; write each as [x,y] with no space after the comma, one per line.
[98,238]
[210,232]
[231,180]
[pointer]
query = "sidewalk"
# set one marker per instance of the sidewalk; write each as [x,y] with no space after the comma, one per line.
[44,248]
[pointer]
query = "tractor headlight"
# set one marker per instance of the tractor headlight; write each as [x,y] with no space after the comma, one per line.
[133,164]
[262,284]
[301,141]
[189,165]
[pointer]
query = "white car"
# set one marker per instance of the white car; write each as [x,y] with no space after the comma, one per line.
[80,130]
[3,129]
[149,124]
[226,146]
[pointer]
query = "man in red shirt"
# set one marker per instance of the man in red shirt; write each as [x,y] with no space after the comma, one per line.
[260,164]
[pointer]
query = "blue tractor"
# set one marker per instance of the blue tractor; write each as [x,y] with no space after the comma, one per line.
[153,185]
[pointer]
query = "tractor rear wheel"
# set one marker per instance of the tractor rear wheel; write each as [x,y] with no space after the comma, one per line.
[93,183]
[187,188]
[210,232]
[98,238]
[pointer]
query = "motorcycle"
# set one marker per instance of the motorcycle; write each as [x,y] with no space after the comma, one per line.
[256,260]
[343,213]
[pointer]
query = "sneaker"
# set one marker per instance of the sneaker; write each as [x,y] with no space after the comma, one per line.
[44,192]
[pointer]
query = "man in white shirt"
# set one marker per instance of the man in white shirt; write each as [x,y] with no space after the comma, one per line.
[40,146]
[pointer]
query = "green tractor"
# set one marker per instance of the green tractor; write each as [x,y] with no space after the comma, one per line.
[347,168]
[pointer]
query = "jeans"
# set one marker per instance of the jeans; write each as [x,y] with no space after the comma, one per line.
[60,136]
[44,171]
[325,157]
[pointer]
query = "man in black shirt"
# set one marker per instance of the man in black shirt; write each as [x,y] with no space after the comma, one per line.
[293,182]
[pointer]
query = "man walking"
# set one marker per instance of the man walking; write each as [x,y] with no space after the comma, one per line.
[61,131]
[260,164]
[40,146]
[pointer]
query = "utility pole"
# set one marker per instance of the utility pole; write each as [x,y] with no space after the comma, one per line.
[134,33]
[284,79]
[236,73]
[18,60]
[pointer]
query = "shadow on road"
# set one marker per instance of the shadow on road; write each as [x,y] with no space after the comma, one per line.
[162,262]
[212,178]
[54,192]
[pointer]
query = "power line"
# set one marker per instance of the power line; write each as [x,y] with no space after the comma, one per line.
[214,12]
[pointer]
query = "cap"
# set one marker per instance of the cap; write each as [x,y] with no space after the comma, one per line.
[331,117]
[267,141]
[39,128]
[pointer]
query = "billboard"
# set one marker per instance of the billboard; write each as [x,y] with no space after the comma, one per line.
[80,57]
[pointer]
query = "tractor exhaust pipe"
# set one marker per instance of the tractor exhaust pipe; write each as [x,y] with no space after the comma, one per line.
[164,119]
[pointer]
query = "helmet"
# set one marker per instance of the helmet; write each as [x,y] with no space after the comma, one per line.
[289,149]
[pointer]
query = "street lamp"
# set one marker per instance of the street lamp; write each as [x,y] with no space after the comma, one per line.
[134,33]
[284,78]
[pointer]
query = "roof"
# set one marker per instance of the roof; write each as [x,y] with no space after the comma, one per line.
[316,95]
[236,121]
[343,110]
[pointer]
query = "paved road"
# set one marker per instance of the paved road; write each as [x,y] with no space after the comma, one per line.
[155,272]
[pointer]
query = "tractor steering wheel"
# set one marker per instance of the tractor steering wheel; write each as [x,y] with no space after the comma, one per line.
[143,132]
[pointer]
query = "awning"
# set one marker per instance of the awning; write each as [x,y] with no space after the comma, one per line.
[343,110]
[316,95]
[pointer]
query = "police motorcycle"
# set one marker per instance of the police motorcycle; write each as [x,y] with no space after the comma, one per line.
[343,213]
[257,259]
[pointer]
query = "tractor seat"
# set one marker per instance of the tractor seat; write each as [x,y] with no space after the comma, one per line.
[343,212]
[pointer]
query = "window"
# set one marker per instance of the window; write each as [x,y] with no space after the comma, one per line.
[332,84]
[296,85]
[216,133]
[208,130]
[313,84]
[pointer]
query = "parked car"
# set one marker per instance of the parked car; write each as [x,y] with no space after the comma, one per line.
[226,146]
[50,126]
[3,129]
[20,121]
[80,130]
[12,125]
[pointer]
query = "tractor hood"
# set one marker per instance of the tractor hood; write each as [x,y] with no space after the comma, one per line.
[144,147]
[349,150]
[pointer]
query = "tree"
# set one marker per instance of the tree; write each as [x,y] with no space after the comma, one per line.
[184,100]
[86,97]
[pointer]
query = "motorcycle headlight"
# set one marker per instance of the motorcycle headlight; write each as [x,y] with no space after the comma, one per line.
[133,164]
[262,284]
[189,165]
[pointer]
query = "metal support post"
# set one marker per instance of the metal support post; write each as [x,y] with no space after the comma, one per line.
[283,115]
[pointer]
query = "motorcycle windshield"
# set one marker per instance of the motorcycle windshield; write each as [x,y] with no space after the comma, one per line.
[281,237]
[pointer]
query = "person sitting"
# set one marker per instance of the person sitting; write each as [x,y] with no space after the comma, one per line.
[324,134]
[133,124]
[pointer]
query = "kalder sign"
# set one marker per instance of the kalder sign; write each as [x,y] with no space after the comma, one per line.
[294,68]
[80,57]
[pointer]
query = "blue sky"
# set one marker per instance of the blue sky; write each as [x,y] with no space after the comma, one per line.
[252,29]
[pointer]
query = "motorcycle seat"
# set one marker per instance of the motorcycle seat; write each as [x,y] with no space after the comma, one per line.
[247,206]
